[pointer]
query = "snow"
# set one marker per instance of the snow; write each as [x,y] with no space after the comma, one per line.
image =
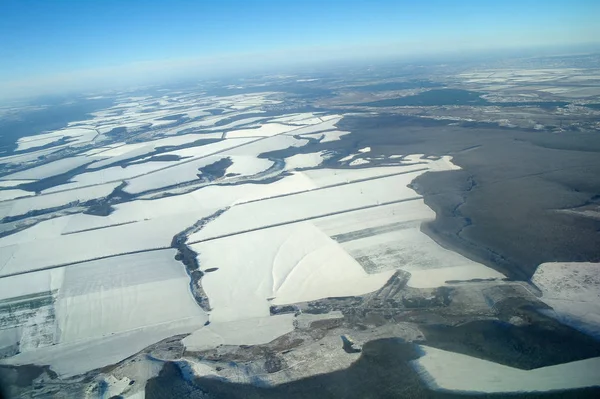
[359,161]
[306,118]
[327,177]
[183,171]
[390,238]
[309,160]
[76,358]
[140,369]
[18,159]
[116,284]
[53,200]
[179,173]
[108,175]
[21,285]
[248,166]
[130,127]
[430,278]
[239,122]
[328,124]
[13,183]
[186,171]
[196,204]
[108,309]
[573,291]
[127,151]
[251,331]
[308,205]
[49,169]
[450,371]
[287,264]
[569,281]
[6,195]
[77,135]
[123,293]
[30,144]
[408,213]
[295,182]
[265,130]
[49,248]
[334,135]
[118,150]
[208,149]
[256,147]
[52,242]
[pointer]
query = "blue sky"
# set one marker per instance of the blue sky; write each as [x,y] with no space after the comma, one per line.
[60,41]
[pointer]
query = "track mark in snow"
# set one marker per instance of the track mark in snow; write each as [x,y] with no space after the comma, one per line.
[305,219]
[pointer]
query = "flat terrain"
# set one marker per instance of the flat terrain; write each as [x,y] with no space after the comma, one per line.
[504,206]
[388,232]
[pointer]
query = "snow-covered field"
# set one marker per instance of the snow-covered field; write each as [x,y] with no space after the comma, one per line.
[280,265]
[123,293]
[450,371]
[49,200]
[6,195]
[389,237]
[311,160]
[50,169]
[117,300]
[267,229]
[573,291]
[307,205]
[264,130]
[74,136]
[245,331]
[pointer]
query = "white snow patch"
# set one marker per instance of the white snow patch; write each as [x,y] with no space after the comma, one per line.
[308,204]
[309,160]
[123,293]
[184,171]
[390,237]
[328,124]
[13,183]
[26,251]
[436,277]
[327,177]
[77,135]
[50,169]
[109,175]
[79,357]
[256,147]
[248,166]
[254,331]
[347,157]
[573,291]
[359,161]
[52,200]
[265,130]
[333,135]
[280,265]
[6,195]
[444,370]
[33,283]
[29,157]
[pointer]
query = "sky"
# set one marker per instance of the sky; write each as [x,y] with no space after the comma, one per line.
[48,46]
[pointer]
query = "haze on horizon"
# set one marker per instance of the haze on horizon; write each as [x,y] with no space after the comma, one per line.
[54,47]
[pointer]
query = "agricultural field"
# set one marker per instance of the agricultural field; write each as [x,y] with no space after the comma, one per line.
[257,243]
